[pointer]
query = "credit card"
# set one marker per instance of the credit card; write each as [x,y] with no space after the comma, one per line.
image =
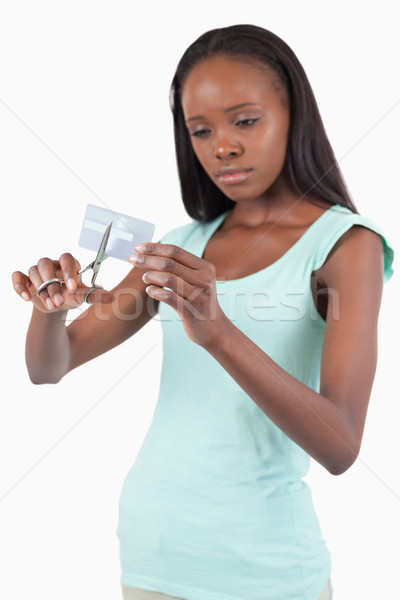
[126,231]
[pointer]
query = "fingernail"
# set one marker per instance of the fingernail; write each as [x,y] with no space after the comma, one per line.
[142,247]
[134,258]
[49,304]
[58,299]
[25,296]
[71,284]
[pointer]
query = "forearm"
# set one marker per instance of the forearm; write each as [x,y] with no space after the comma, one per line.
[310,419]
[47,348]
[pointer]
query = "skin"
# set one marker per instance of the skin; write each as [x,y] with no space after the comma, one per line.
[268,217]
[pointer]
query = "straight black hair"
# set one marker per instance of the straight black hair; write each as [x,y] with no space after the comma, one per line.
[310,163]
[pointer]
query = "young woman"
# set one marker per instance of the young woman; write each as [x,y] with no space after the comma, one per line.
[269,303]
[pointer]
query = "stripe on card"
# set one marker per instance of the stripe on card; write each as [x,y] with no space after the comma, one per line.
[115,231]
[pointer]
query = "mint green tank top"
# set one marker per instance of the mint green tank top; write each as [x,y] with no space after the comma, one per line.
[215,506]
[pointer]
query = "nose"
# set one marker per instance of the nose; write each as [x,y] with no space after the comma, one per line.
[227,148]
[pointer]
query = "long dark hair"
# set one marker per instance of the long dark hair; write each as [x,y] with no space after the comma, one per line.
[310,163]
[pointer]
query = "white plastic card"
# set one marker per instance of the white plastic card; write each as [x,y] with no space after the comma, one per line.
[126,231]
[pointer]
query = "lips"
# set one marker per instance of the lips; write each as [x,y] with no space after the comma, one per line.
[233,174]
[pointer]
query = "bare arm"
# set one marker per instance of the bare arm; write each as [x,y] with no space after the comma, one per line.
[52,348]
[329,425]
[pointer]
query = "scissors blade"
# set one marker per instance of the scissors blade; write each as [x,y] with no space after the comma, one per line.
[101,254]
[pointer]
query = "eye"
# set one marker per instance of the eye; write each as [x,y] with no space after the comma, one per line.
[199,133]
[246,122]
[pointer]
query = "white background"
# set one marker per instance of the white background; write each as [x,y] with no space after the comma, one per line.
[84,117]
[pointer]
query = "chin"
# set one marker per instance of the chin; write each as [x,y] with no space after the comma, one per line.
[243,195]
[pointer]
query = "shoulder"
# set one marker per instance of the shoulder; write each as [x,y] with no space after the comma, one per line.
[358,249]
[346,241]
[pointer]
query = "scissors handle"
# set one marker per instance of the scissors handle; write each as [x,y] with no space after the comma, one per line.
[44,285]
[90,290]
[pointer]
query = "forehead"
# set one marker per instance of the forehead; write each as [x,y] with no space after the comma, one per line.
[222,82]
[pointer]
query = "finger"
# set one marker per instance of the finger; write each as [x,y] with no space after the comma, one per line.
[169,265]
[56,293]
[47,269]
[172,282]
[36,280]
[181,305]
[176,253]
[22,285]
[70,267]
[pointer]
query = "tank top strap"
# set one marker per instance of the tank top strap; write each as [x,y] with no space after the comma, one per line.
[313,246]
[335,222]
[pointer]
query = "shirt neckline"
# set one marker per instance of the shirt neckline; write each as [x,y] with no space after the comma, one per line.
[213,226]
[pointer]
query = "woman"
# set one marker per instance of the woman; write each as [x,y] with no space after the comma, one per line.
[269,303]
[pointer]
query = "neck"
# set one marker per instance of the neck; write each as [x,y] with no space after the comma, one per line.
[280,200]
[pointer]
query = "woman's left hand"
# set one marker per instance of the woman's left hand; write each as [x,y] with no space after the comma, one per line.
[192,289]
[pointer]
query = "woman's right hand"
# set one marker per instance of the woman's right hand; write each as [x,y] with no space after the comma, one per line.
[56,296]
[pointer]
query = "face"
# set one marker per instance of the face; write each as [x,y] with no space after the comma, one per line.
[238,125]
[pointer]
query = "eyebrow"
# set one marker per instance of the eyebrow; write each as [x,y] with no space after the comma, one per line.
[226,110]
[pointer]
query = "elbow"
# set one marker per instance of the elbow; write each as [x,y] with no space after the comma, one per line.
[43,378]
[345,449]
[341,464]
[40,381]
[339,468]
[43,382]
[41,372]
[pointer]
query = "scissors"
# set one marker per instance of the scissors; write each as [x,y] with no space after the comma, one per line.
[95,265]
